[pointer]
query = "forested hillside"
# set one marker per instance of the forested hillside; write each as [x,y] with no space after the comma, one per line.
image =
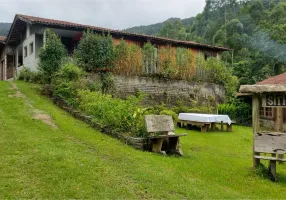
[154,29]
[255,30]
[4,28]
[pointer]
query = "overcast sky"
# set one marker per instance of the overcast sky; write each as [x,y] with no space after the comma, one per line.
[115,14]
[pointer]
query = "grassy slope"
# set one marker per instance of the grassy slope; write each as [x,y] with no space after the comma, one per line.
[76,161]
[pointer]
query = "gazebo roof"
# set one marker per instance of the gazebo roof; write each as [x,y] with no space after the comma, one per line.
[272,84]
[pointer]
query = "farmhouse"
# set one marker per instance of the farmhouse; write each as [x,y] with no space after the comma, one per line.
[27,36]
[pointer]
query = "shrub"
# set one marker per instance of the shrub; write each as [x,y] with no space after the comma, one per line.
[215,71]
[95,52]
[172,113]
[125,116]
[25,74]
[150,54]
[128,59]
[30,76]
[67,81]
[229,109]
[185,63]
[36,77]
[237,110]
[193,108]
[167,62]
[107,82]
[70,71]
[51,56]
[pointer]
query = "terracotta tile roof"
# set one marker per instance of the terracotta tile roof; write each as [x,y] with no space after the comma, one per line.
[39,20]
[275,80]
[2,39]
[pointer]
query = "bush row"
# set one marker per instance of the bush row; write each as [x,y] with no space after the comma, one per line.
[30,76]
[239,111]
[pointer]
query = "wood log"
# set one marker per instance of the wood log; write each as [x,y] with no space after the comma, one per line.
[229,127]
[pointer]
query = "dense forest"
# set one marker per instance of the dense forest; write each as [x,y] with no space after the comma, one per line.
[154,29]
[255,30]
[4,28]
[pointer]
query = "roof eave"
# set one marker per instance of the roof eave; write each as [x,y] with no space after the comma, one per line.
[146,37]
[267,88]
[188,44]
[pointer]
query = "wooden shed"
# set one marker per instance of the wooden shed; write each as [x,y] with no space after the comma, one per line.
[269,115]
[268,145]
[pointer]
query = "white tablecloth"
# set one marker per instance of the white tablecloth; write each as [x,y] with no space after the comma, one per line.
[204,118]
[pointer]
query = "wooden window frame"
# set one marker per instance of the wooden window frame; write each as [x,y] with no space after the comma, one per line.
[266,112]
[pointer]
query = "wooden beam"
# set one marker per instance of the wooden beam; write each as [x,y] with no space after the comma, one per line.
[262,88]
[256,126]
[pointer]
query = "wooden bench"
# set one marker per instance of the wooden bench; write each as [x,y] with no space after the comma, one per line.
[205,126]
[162,138]
[270,143]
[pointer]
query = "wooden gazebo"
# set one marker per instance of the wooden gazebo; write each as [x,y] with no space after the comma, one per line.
[267,145]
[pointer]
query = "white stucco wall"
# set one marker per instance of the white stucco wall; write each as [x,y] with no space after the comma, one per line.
[30,60]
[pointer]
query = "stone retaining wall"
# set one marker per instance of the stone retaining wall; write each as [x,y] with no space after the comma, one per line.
[168,91]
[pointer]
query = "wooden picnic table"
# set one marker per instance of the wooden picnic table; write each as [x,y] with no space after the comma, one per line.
[205,121]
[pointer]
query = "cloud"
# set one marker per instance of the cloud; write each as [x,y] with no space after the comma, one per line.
[116,14]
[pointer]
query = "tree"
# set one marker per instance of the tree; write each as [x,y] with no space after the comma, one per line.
[51,55]
[174,30]
[95,52]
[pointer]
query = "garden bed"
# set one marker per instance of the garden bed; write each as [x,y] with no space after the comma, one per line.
[137,143]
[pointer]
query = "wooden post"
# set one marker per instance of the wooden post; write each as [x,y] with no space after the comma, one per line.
[255,125]
[173,144]
[213,126]
[157,145]
[221,125]
[5,68]
[272,167]
[204,128]
[279,125]
[229,127]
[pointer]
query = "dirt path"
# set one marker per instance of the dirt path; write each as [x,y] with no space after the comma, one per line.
[37,114]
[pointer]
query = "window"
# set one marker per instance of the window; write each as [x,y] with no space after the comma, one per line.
[31,47]
[25,51]
[266,112]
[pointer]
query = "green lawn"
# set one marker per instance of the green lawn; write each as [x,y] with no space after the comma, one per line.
[76,161]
